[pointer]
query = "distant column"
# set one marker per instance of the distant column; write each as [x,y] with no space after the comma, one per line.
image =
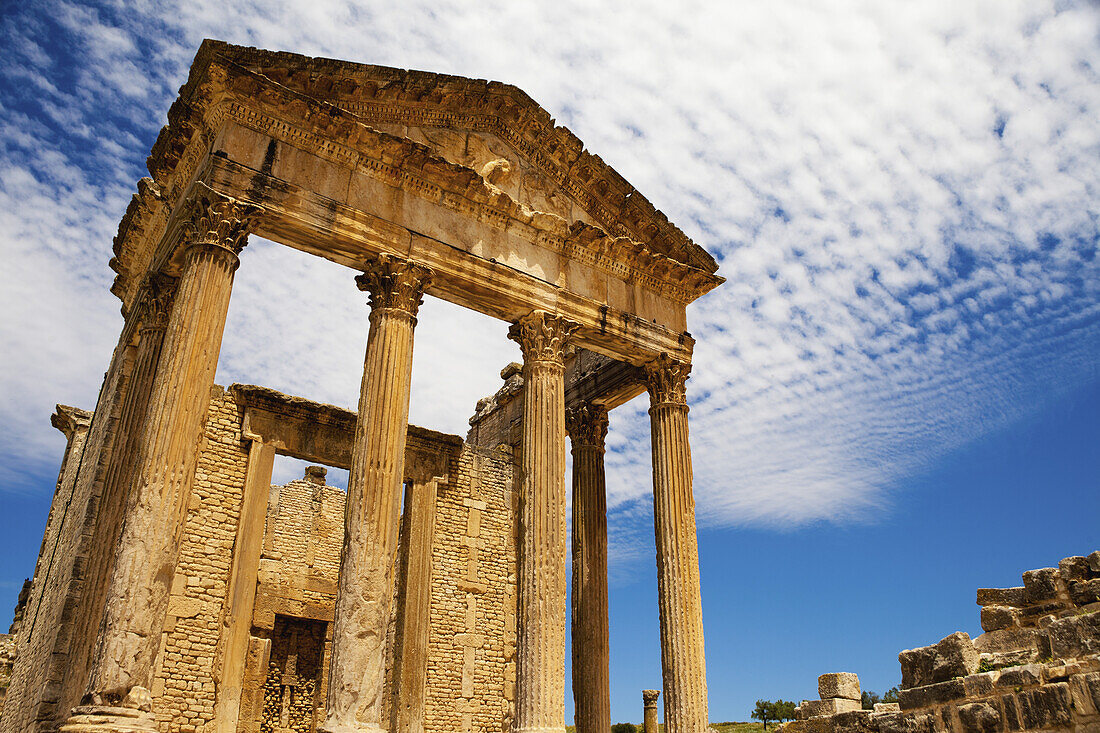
[215,231]
[364,595]
[540,622]
[682,658]
[649,710]
[587,426]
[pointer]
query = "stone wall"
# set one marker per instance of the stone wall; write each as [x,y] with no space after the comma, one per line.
[1036,667]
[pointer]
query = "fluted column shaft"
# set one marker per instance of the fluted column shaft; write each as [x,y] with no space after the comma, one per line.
[163,472]
[540,632]
[682,655]
[364,596]
[587,426]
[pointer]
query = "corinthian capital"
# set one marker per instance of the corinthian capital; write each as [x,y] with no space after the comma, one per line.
[586,424]
[158,291]
[394,284]
[218,220]
[666,380]
[542,336]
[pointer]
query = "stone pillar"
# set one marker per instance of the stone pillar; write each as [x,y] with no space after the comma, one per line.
[233,653]
[540,642]
[649,710]
[682,658]
[413,625]
[118,696]
[587,426]
[364,596]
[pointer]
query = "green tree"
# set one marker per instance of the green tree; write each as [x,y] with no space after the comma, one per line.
[868,699]
[764,711]
[624,728]
[891,695]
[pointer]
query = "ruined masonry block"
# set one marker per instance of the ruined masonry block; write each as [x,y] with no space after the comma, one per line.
[832,706]
[856,721]
[1075,636]
[995,618]
[1094,562]
[979,717]
[1085,592]
[905,723]
[928,695]
[887,707]
[1074,568]
[1041,585]
[954,656]
[1015,597]
[1085,691]
[1045,707]
[1023,676]
[838,684]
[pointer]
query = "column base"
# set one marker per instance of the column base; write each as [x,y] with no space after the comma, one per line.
[132,715]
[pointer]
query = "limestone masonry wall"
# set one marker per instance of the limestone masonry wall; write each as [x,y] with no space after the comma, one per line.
[1036,667]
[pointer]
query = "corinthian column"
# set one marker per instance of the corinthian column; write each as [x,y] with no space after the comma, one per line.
[682,661]
[587,426]
[118,696]
[364,595]
[540,633]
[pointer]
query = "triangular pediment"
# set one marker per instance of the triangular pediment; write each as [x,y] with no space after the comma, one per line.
[492,128]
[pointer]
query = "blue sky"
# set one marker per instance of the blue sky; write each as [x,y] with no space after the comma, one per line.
[896,394]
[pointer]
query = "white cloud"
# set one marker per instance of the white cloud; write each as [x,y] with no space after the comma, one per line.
[902,196]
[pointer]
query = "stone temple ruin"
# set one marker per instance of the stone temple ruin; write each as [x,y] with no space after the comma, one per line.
[1036,668]
[177,590]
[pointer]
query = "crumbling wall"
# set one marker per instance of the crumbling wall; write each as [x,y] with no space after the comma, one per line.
[1036,667]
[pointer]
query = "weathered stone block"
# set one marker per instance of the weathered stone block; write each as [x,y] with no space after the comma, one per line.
[935,694]
[1002,597]
[1008,640]
[1074,568]
[979,717]
[1024,676]
[905,723]
[1085,592]
[1094,562]
[1075,636]
[887,707]
[1085,693]
[856,721]
[995,618]
[838,684]
[954,656]
[1045,707]
[832,706]
[979,685]
[1041,584]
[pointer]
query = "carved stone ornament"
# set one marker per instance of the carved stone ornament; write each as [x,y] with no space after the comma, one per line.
[218,220]
[394,284]
[649,697]
[158,292]
[542,336]
[586,424]
[666,380]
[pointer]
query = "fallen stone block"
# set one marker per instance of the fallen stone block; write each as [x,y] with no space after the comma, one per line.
[928,695]
[832,706]
[905,723]
[838,684]
[1074,636]
[887,707]
[1094,562]
[1085,592]
[995,618]
[979,717]
[1002,597]
[1041,584]
[1045,707]
[953,656]
[1024,676]
[1074,568]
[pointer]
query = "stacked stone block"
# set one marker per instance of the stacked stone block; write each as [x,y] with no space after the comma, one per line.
[1036,667]
[838,692]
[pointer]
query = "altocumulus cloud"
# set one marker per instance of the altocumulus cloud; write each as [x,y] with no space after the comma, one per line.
[902,195]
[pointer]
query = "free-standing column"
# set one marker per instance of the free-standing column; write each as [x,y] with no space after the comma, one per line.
[682,661]
[649,710]
[364,595]
[540,633]
[587,426]
[213,235]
